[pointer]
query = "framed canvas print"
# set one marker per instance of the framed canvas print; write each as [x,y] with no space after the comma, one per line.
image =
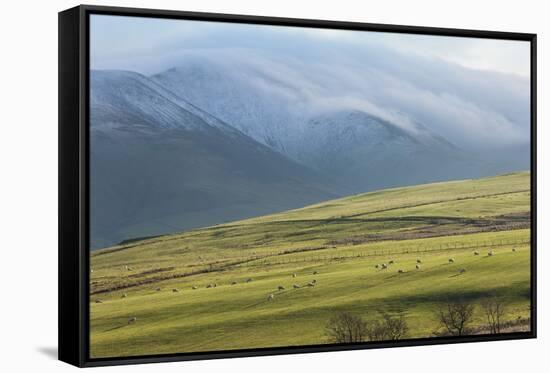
[238,186]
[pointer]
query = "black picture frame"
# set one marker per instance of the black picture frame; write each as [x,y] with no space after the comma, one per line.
[74,184]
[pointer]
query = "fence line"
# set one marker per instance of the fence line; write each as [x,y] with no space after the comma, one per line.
[270,258]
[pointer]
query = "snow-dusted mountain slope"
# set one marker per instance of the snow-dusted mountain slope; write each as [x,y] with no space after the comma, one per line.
[159,165]
[367,152]
[300,114]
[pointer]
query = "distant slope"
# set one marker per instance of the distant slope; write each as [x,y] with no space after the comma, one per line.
[484,197]
[160,164]
[496,203]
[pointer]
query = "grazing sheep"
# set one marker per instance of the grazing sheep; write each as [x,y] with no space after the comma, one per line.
[377,266]
[208,286]
[390,262]
[384,266]
[157,289]
[310,284]
[514,249]
[462,270]
[419,261]
[132,320]
[417,266]
[400,271]
[91,271]
[281,287]
[249,280]
[124,295]
[451,260]
[490,253]
[294,275]
[296,286]
[476,252]
[315,272]
[234,283]
[215,285]
[270,297]
[98,301]
[194,288]
[175,290]
[314,281]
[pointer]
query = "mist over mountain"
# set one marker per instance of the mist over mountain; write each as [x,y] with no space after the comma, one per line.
[326,120]
[215,122]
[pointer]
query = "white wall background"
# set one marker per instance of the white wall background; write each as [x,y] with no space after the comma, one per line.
[28,187]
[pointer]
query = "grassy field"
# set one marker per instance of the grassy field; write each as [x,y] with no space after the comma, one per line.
[342,240]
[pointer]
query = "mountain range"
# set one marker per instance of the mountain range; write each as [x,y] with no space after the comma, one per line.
[204,143]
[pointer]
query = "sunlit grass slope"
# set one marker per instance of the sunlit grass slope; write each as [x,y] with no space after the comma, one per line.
[342,240]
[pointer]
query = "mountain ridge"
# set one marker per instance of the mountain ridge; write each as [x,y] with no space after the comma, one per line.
[153,174]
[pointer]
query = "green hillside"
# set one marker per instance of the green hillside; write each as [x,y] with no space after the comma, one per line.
[342,240]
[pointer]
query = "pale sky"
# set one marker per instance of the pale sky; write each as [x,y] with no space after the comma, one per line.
[116,40]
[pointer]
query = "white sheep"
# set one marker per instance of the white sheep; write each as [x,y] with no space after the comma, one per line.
[280,287]
[175,290]
[400,271]
[132,320]
[311,284]
[377,266]
[98,301]
[417,266]
[270,297]
[194,288]
[490,253]
[124,295]
[451,260]
[296,286]
[315,272]
[249,280]
[462,270]
[419,261]
[390,262]
[476,252]
[294,275]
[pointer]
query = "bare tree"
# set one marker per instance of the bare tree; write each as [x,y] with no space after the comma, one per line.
[455,316]
[389,328]
[346,328]
[396,327]
[494,309]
